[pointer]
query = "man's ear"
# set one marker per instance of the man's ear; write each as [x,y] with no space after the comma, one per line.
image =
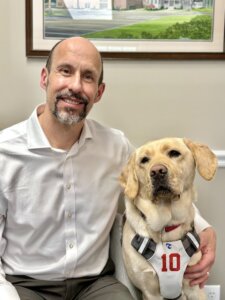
[101,89]
[44,78]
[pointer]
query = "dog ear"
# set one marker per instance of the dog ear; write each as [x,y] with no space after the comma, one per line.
[205,159]
[128,178]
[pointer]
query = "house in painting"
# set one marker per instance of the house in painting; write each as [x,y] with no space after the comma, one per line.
[133,4]
[153,4]
[168,4]
[60,4]
[80,4]
[127,4]
[177,4]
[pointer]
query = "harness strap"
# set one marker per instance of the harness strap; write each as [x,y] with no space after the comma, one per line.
[145,246]
[191,242]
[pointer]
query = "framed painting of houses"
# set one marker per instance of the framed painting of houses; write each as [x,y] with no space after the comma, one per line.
[130,29]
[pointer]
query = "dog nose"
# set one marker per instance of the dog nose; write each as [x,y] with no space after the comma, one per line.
[158,171]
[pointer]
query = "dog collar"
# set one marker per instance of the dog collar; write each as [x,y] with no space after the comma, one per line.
[170,228]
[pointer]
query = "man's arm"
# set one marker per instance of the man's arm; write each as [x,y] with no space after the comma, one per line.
[7,290]
[199,273]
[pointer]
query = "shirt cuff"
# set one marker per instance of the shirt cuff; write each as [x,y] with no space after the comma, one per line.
[7,290]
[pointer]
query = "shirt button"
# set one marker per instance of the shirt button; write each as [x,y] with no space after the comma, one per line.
[69,214]
[68,186]
[71,246]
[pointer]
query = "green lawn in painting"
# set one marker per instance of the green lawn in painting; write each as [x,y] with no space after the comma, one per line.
[172,27]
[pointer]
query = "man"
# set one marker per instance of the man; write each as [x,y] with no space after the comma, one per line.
[59,189]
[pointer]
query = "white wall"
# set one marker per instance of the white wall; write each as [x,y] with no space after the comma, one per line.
[146,99]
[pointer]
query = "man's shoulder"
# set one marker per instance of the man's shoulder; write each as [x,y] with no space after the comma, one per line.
[13,132]
[101,129]
[110,140]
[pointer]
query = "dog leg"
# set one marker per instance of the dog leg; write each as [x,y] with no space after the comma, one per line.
[148,296]
[193,292]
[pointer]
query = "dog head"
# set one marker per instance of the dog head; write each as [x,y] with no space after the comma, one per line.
[165,168]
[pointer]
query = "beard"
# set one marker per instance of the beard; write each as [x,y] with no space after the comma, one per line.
[69,116]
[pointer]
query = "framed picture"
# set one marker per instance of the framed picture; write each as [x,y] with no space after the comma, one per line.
[130,29]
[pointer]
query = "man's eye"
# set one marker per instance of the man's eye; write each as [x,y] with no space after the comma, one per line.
[88,77]
[65,71]
[174,153]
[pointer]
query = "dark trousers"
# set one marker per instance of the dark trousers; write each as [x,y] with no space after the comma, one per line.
[102,287]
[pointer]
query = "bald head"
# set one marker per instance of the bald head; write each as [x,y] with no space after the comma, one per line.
[76,44]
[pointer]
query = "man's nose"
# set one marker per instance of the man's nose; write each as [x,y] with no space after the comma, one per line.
[75,83]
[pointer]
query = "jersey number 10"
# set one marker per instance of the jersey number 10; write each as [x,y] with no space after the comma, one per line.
[170,262]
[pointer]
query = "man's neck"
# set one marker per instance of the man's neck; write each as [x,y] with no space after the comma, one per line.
[60,136]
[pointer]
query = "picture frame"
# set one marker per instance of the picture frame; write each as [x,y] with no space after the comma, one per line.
[37,46]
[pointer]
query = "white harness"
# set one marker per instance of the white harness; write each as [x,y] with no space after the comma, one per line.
[169,259]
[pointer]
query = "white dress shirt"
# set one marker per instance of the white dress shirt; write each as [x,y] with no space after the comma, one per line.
[56,207]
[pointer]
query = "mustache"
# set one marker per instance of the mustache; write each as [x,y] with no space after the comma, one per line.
[72,95]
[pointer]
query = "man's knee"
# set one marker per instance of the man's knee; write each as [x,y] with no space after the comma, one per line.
[106,288]
[27,294]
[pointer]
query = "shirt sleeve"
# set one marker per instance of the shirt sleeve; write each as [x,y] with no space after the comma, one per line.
[3,205]
[199,221]
[7,290]
[130,149]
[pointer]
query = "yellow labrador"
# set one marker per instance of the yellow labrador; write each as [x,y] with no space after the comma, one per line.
[159,239]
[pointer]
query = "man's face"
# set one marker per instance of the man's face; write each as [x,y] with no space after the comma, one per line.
[72,83]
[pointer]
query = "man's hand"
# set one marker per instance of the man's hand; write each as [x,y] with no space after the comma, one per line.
[199,273]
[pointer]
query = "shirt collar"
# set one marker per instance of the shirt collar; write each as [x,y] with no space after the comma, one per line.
[36,137]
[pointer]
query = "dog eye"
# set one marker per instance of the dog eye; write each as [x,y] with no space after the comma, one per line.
[174,153]
[144,160]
